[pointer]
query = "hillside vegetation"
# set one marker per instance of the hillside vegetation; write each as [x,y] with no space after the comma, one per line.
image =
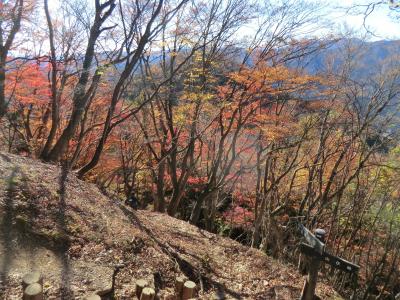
[74,234]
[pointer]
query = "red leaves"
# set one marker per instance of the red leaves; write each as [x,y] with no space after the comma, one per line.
[239,216]
[27,84]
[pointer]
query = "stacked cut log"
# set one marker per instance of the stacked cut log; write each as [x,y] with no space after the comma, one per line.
[184,289]
[143,291]
[140,285]
[179,282]
[189,290]
[32,285]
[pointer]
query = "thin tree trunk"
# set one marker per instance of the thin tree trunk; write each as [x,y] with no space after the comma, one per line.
[54,95]
[196,211]
[159,203]
[3,104]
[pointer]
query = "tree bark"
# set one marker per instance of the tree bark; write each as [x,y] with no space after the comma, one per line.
[54,95]
[117,92]
[5,47]
[81,97]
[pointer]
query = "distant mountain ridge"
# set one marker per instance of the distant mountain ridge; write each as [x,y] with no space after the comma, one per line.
[367,58]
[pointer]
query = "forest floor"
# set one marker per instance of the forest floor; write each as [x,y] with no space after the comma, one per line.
[66,228]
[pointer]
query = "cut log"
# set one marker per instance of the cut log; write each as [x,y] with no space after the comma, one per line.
[93,297]
[33,291]
[179,282]
[147,294]
[189,289]
[33,277]
[140,285]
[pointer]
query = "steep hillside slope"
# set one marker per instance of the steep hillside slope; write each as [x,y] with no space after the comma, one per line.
[51,221]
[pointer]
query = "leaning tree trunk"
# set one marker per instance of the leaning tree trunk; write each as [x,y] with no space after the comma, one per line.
[196,211]
[5,46]
[175,200]
[118,90]
[81,96]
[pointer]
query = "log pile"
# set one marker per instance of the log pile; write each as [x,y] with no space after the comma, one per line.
[32,285]
[184,290]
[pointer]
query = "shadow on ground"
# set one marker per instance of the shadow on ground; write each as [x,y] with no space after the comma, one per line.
[206,283]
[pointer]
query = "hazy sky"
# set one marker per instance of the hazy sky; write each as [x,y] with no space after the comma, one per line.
[382,21]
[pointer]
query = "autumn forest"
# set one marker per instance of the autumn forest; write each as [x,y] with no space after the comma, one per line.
[208,111]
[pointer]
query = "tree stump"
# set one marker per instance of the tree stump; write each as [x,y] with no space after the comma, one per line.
[93,297]
[179,282]
[140,285]
[33,291]
[189,289]
[147,294]
[30,278]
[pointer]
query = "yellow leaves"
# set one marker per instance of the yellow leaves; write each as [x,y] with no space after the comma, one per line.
[157,114]
[186,41]
[276,132]
[193,97]
[396,150]
[180,116]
